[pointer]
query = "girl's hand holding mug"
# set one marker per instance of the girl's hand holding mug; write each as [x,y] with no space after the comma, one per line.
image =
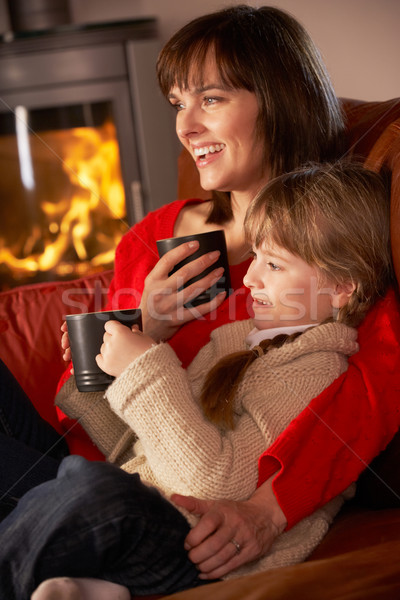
[121,346]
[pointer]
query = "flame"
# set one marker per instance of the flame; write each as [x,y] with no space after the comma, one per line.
[89,214]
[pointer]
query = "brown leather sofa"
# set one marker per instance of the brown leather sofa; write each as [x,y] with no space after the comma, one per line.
[357,560]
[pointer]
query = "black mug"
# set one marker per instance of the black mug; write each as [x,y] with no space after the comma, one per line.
[86,332]
[209,241]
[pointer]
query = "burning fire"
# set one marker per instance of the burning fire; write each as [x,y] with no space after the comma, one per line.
[78,231]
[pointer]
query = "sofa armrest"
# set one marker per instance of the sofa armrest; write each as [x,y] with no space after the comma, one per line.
[30,321]
[365,574]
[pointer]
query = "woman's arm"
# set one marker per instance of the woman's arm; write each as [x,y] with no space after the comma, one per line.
[253,524]
[346,426]
[330,443]
[142,280]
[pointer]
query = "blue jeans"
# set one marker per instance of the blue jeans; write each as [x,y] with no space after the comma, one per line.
[30,449]
[95,520]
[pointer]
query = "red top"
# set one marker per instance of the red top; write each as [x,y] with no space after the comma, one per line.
[328,445]
[136,256]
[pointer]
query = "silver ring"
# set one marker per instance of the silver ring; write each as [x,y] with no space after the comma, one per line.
[236,544]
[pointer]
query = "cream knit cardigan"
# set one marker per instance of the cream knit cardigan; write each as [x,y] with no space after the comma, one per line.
[150,422]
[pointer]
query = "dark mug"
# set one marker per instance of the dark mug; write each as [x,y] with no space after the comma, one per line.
[208,242]
[85,332]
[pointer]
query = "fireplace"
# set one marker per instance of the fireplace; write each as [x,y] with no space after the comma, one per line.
[86,147]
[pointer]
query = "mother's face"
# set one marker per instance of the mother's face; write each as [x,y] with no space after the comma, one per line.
[217,125]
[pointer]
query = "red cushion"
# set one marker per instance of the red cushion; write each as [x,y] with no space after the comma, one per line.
[30,321]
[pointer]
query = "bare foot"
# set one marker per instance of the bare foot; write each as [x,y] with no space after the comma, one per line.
[69,588]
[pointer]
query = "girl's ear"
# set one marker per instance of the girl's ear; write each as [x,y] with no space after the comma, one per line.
[342,293]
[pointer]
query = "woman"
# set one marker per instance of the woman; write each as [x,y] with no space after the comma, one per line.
[249,129]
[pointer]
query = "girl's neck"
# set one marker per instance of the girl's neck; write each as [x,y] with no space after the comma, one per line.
[257,335]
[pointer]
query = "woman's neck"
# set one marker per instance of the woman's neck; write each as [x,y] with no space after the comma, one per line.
[193,219]
[238,249]
[240,202]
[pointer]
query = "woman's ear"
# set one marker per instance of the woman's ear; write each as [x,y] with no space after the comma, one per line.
[342,293]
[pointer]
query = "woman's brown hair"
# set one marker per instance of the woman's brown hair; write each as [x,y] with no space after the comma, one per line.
[265,51]
[334,217]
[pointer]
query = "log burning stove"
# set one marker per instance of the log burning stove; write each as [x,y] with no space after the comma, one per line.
[86,147]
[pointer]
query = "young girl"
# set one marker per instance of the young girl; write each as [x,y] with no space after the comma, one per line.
[321,258]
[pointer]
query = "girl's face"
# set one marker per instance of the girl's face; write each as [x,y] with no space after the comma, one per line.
[217,125]
[285,289]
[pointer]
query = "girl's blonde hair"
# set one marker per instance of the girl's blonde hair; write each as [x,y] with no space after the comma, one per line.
[334,217]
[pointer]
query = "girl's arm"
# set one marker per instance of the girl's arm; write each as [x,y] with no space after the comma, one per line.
[183,449]
[186,452]
[110,434]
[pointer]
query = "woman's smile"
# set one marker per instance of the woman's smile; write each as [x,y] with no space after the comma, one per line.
[207,154]
[205,150]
